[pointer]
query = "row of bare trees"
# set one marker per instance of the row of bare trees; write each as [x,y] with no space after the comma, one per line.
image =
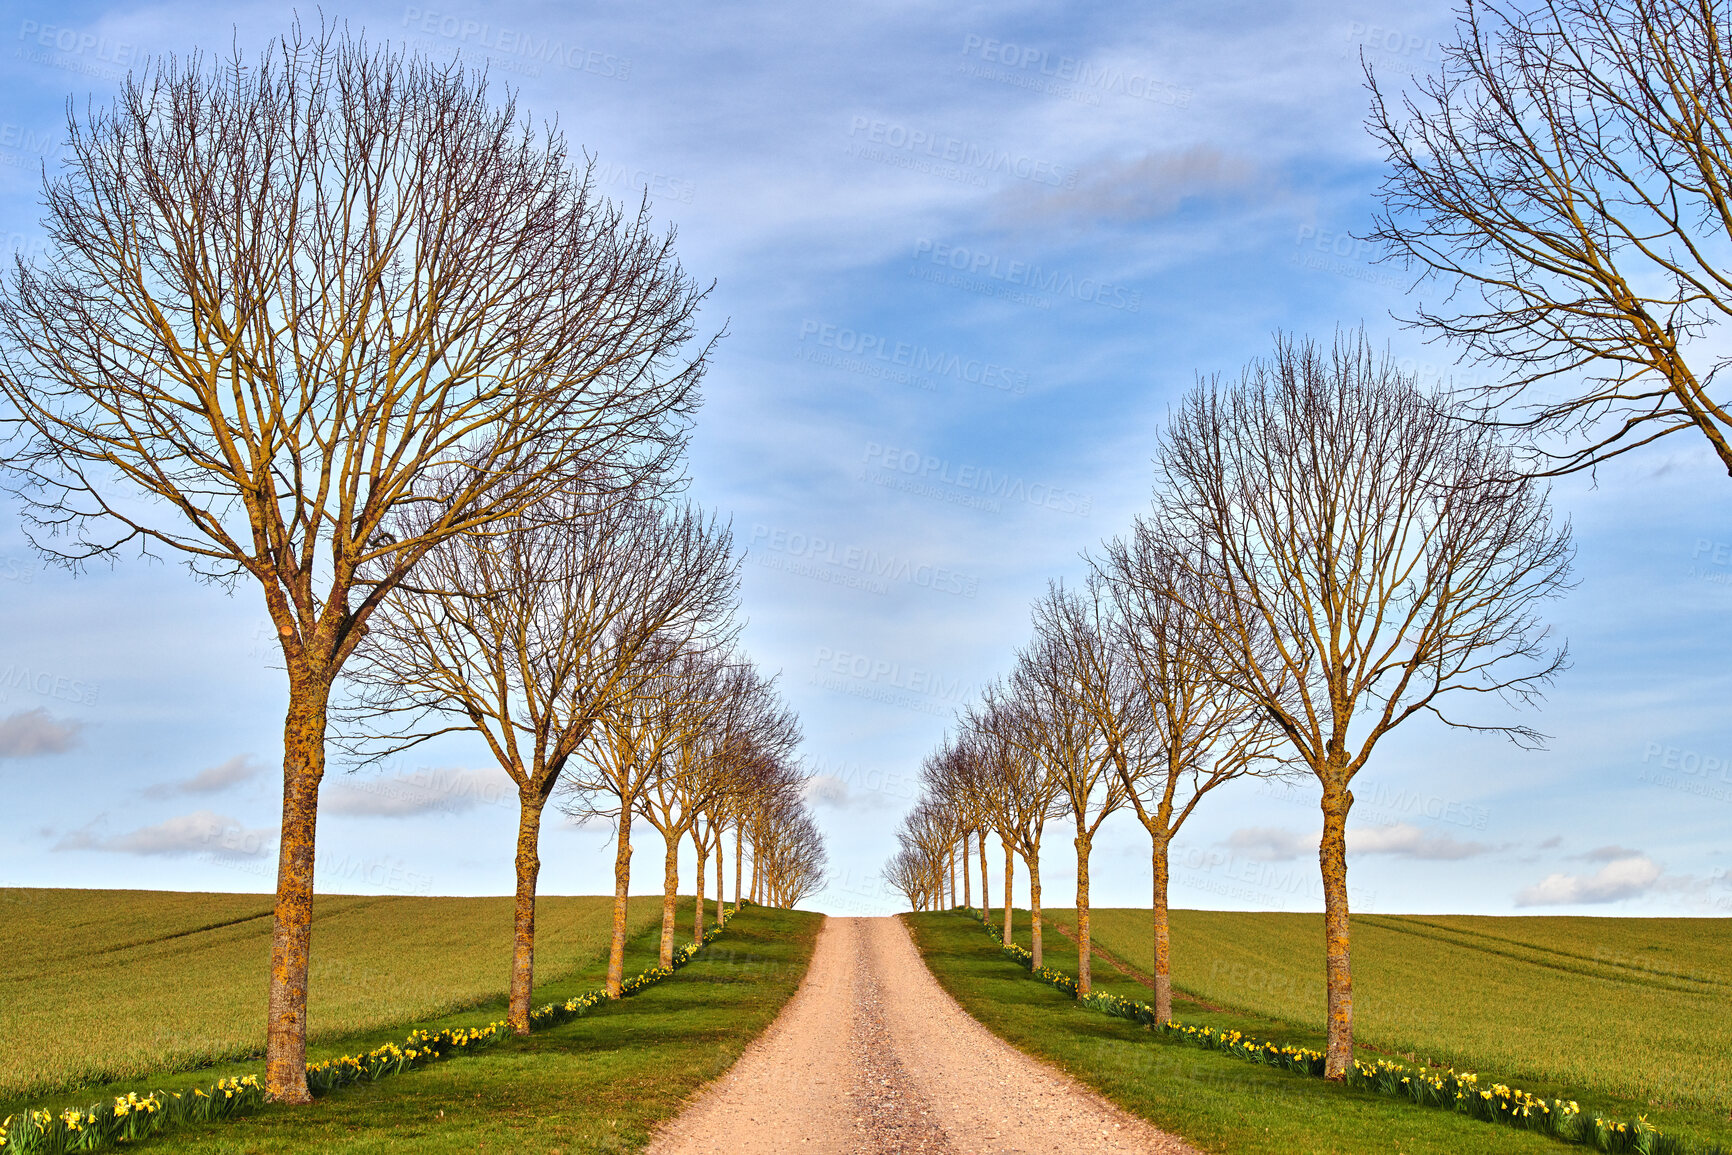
[339,322]
[1331,551]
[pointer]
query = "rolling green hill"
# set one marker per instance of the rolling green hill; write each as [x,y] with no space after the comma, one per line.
[97,985]
[1635,1008]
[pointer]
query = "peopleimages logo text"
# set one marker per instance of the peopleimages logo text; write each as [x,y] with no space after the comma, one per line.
[890,460]
[509,42]
[78,42]
[918,358]
[861,560]
[1027,275]
[966,155]
[1076,70]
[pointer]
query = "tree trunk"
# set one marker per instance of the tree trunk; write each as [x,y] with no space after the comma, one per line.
[1163,962]
[292,918]
[1009,880]
[985,890]
[1034,903]
[621,883]
[703,861]
[967,867]
[1083,970]
[529,806]
[670,897]
[1332,855]
[739,862]
[721,879]
[757,895]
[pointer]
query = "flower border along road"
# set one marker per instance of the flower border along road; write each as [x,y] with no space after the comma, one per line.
[134,1116]
[1452,1090]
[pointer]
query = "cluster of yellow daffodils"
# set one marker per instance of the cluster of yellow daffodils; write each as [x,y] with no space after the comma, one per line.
[129,1116]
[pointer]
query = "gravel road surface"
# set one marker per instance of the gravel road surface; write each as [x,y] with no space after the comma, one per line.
[870,1055]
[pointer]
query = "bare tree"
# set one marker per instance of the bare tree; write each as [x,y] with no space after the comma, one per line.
[1069,682]
[1568,177]
[951,775]
[1175,732]
[1364,555]
[1030,795]
[290,301]
[627,750]
[526,635]
[908,874]
[693,771]
[792,849]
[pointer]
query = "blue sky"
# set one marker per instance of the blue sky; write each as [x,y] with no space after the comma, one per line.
[966,257]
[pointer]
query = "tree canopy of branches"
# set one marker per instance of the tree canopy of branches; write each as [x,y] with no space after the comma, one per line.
[526,634]
[1360,555]
[1025,795]
[1567,177]
[304,318]
[1075,702]
[628,750]
[1168,729]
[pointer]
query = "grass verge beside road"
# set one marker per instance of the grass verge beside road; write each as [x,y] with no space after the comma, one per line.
[1626,1015]
[1215,1101]
[599,1083]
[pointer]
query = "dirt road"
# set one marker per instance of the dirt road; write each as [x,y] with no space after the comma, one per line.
[872,1056]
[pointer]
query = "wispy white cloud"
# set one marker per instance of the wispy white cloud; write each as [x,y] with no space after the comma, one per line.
[241,768]
[449,791]
[1270,843]
[201,832]
[1139,189]
[31,733]
[1628,876]
[1409,841]
[834,792]
[1402,839]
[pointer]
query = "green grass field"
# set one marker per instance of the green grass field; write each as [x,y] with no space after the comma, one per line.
[1628,1016]
[99,985]
[600,1083]
[1214,1101]
[1633,1008]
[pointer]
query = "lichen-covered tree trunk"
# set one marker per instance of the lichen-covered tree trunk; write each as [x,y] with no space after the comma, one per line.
[703,860]
[670,897]
[530,803]
[1034,903]
[621,885]
[292,918]
[985,889]
[1083,970]
[967,868]
[739,862]
[1163,958]
[721,880]
[1009,881]
[1332,855]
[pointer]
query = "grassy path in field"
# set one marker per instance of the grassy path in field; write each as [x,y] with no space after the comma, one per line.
[1627,1016]
[1214,1101]
[105,985]
[599,1083]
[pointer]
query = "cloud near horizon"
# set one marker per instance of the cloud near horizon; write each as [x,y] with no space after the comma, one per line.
[201,832]
[1629,876]
[1403,839]
[452,791]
